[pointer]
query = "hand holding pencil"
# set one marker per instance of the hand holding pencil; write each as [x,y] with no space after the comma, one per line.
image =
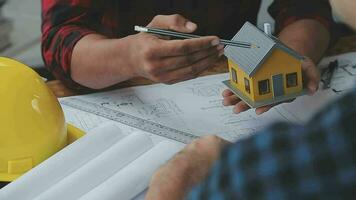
[171,61]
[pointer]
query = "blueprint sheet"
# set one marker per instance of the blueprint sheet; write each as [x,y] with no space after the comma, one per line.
[194,106]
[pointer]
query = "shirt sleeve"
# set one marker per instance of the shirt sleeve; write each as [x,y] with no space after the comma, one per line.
[315,161]
[64,23]
[286,12]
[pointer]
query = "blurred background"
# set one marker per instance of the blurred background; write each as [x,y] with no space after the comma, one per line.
[21,21]
[20,29]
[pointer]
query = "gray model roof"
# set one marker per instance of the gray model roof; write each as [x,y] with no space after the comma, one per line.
[251,59]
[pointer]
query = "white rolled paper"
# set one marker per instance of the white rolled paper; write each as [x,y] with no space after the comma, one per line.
[134,178]
[62,164]
[99,169]
[104,164]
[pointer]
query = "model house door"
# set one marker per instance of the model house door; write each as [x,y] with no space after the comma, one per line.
[277,85]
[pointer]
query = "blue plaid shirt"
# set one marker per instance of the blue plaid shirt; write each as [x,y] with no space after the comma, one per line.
[315,161]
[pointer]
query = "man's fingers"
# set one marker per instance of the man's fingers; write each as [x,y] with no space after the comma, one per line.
[263,109]
[190,72]
[227,93]
[173,63]
[241,107]
[231,100]
[312,75]
[198,68]
[185,47]
[173,22]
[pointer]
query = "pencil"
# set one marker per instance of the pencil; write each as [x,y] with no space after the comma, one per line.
[330,73]
[190,36]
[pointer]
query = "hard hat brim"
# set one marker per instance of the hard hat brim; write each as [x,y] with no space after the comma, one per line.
[73,135]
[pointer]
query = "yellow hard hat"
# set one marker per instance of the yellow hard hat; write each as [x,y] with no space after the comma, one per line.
[32,125]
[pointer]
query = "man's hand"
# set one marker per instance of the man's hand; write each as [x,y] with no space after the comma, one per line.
[310,74]
[173,180]
[99,62]
[307,37]
[171,61]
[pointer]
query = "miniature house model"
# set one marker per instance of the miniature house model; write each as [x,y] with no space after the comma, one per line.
[265,75]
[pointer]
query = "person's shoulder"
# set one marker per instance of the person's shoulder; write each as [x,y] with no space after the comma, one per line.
[338,117]
[345,104]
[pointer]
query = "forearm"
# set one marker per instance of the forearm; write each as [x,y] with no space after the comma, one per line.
[98,62]
[308,37]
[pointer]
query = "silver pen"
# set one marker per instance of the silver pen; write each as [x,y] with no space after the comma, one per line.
[190,36]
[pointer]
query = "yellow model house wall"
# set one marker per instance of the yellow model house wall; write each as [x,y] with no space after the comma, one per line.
[240,79]
[278,63]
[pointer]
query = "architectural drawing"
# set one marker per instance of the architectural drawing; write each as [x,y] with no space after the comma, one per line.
[204,90]
[198,111]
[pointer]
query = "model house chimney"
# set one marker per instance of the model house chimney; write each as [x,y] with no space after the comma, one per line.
[267,28]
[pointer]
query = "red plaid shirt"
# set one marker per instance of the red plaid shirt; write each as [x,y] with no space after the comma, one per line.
[67,21]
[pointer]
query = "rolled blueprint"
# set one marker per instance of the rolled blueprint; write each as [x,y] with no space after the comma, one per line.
[134,178]
[62,164]
[99,169]
[105,164]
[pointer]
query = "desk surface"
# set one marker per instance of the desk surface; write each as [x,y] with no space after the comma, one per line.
[344,45]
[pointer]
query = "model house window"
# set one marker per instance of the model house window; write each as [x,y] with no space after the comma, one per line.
[247,85]
[292,80]
[263,87]
[234,75]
